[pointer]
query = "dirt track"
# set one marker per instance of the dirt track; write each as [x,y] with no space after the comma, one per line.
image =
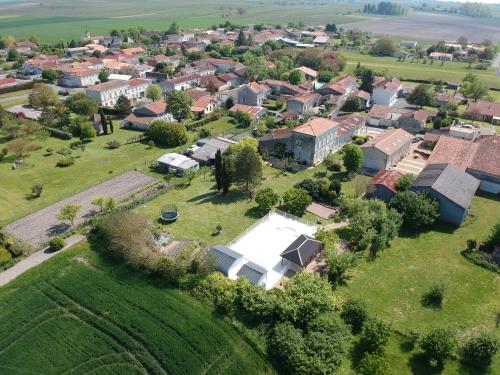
[38,227]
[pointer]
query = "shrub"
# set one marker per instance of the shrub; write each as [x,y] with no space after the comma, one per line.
[167,133]
[5,256]
[113,145]
[374,335]
[56,243]
[75,145]
[471,244]
[36,190]
[404,182]
[60,133]
[64,151]
[65,162]
[438,344]
[373,364]
[354,313]
[479,349]
[266,199]
[49,150]
[295,201]
[204,133]
[417,209]
[435,295]
[151,144]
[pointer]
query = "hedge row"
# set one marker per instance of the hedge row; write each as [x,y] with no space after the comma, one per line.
[57,133]
[22,86]
[199,123]
[475,258]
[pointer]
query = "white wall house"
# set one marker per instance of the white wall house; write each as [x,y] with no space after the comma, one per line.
[78,77]
[385,91]
[107,93]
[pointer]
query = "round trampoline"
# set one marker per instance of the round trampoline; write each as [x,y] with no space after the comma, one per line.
[169,214]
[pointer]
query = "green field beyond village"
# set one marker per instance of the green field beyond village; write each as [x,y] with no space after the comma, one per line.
[59,19]
[91,317]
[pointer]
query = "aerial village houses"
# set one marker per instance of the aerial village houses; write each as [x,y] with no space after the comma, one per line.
[182,83]
[386,91]
[407,119]
[142,117]
[78,77]
[386,149]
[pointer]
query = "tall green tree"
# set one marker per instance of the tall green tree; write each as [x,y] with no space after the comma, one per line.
[248,167]
[353,157]
[179,105]
[68,213]
[227,173]
[218,170]
[241,40]
[154,93]
[123,106]
[421,96]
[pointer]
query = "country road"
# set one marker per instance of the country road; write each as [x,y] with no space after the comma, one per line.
[35,260]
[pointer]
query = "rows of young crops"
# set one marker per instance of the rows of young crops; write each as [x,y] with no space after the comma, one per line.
[83,320]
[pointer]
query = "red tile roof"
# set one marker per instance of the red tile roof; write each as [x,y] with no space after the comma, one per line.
[487,156]
[484,108]
[251,110]
[391,84]
[308,71]
[387,179]
[389,141]
[452,150]
[137,82]
[350,123]
[316,126]
[158,107]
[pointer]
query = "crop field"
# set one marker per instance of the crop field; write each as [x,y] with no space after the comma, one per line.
[53,20]
[433,27]
[406,70]
[77,314]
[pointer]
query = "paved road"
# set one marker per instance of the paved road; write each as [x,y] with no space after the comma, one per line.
[35,260]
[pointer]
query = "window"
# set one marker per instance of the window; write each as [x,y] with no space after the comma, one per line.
[299,142]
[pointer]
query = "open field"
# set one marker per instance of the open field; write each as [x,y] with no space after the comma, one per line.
[53,20]
[432,27]
[394,283]
[39,227]
[406,70]
[78,314]
[201,208]
[92,166]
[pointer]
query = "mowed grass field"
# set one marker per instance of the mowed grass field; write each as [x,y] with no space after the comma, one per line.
[201,208]
[406,70]
[92,166]
[53,20]
[394,283]
[78,314]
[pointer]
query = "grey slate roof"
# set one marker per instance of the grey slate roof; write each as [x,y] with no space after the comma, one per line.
[223,260]
[302,250]
[208,150]
[250,273]
[451,182]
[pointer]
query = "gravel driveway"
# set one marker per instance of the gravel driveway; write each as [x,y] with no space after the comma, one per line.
[39,227]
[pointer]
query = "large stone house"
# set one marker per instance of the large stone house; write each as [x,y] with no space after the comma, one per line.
[387,149]
[107,93]
[283,88]
[313,141]
[78,77]
[303,103]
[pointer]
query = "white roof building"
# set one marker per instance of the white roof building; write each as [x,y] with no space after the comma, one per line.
[257,254]
[177,163]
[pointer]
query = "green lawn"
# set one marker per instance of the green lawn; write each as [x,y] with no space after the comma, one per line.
[94,165]
[406,70]
[79,314]
[15,93]
[201,208]
[394,283]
